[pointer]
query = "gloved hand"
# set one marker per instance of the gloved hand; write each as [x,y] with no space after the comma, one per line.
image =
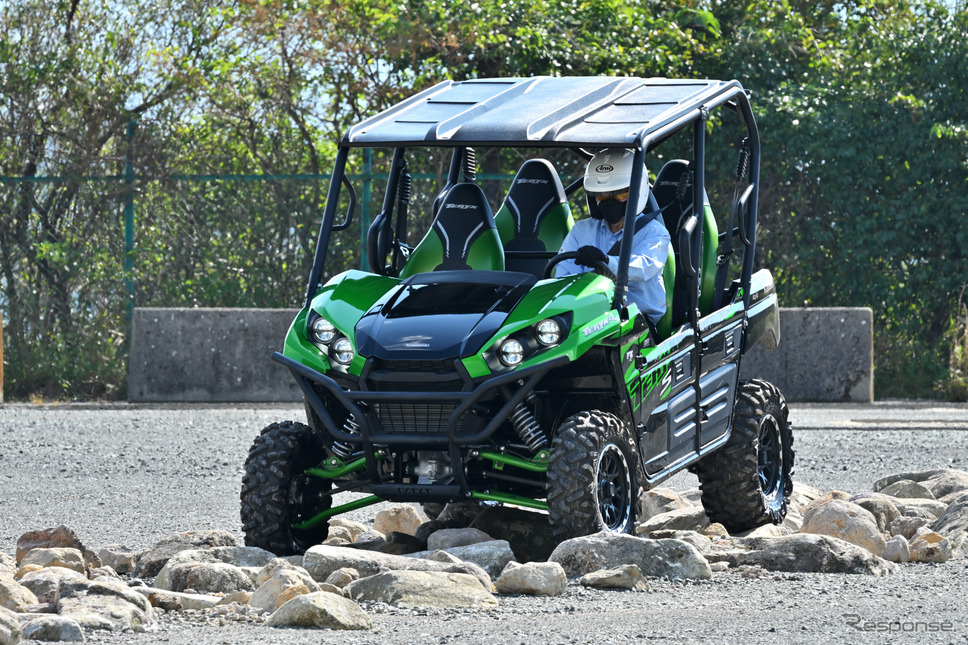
[590,256]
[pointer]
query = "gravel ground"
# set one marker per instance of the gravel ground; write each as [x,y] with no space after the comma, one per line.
[135,474]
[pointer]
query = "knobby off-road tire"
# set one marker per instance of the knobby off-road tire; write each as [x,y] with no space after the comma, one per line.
[277,494]
[747,482]
[592,484]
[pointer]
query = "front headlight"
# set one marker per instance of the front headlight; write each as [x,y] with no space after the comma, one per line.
[548,332]
[323,331]
[512,352]
[342,351]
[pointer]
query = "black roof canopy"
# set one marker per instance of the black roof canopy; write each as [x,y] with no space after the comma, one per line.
[582,111]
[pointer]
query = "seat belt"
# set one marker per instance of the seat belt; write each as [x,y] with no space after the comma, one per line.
[640,222]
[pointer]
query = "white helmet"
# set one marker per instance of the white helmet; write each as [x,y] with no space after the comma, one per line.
[610,171]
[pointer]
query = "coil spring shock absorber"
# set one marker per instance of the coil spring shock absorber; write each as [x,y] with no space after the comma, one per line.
[527,426]
[470,165]
[342,449]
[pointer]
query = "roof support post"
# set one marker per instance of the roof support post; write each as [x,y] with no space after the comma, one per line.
[631,211]
[326,226]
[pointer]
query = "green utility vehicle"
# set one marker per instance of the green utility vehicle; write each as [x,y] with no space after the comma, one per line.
[461,368]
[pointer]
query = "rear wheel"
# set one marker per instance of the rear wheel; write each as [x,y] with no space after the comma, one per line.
[747,483]
[592,484]
[278,494]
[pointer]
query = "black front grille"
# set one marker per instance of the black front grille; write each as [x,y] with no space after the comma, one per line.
[414,417]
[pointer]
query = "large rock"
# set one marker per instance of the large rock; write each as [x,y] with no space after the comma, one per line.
[67,557]
[177,601]
[354,529]
[46,583]
[284,584]
[119,557]
[880,506]
[627,576]
[702,542]
[104,604]
[906,488]
[691,518]
[8,566]
[55,538]
[10,630]
[802,495]
[532,579]
[402,518]
[953,524]
[931,547]
[897,549]
[491,556]
[206,577]
[423,589]
[449,538]
[320,610]
[236,556]
[847,521]
[53,628]
[16,597]
[927,508]
[322,560]
[907,526]
[528,532]
[803,552]
[151,562]
[823,499]
[940,482]
[277,565]
[672,559]
[659,500]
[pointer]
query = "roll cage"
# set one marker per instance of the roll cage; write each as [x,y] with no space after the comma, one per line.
[584,114]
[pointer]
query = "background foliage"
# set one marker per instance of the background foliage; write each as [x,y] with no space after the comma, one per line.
[861,105]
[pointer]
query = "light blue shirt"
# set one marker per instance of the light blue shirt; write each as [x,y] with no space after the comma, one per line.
[650,250]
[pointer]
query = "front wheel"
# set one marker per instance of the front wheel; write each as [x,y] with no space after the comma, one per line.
[747,482]
[278,495]
[592,484]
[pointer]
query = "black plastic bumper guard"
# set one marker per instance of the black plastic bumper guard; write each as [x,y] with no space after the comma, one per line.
[369,436]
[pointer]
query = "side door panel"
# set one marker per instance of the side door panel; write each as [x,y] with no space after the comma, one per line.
[667,420]
[720,338]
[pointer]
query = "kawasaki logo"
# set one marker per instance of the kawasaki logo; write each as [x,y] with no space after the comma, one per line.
[601,324]
[604,168]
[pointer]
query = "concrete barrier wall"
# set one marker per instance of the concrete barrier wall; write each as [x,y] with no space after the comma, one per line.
[824,355]
[214,355]
[209,355]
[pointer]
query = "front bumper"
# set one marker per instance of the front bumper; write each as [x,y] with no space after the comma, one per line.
[449,438]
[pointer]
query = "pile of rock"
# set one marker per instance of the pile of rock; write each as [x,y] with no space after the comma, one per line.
[907,517]
[465,558]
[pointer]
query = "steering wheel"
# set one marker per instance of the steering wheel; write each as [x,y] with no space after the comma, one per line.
[601,268]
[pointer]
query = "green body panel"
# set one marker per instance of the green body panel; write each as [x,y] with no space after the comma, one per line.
[587,296]
[298,347]
[485,254]
[342,300]
[710,251]
[552,232]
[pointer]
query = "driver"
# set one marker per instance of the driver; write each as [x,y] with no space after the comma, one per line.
[597,239]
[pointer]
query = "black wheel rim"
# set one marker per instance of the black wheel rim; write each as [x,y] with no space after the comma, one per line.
[614,488]
[770,456]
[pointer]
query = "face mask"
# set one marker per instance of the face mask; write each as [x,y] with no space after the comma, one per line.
[612,210]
